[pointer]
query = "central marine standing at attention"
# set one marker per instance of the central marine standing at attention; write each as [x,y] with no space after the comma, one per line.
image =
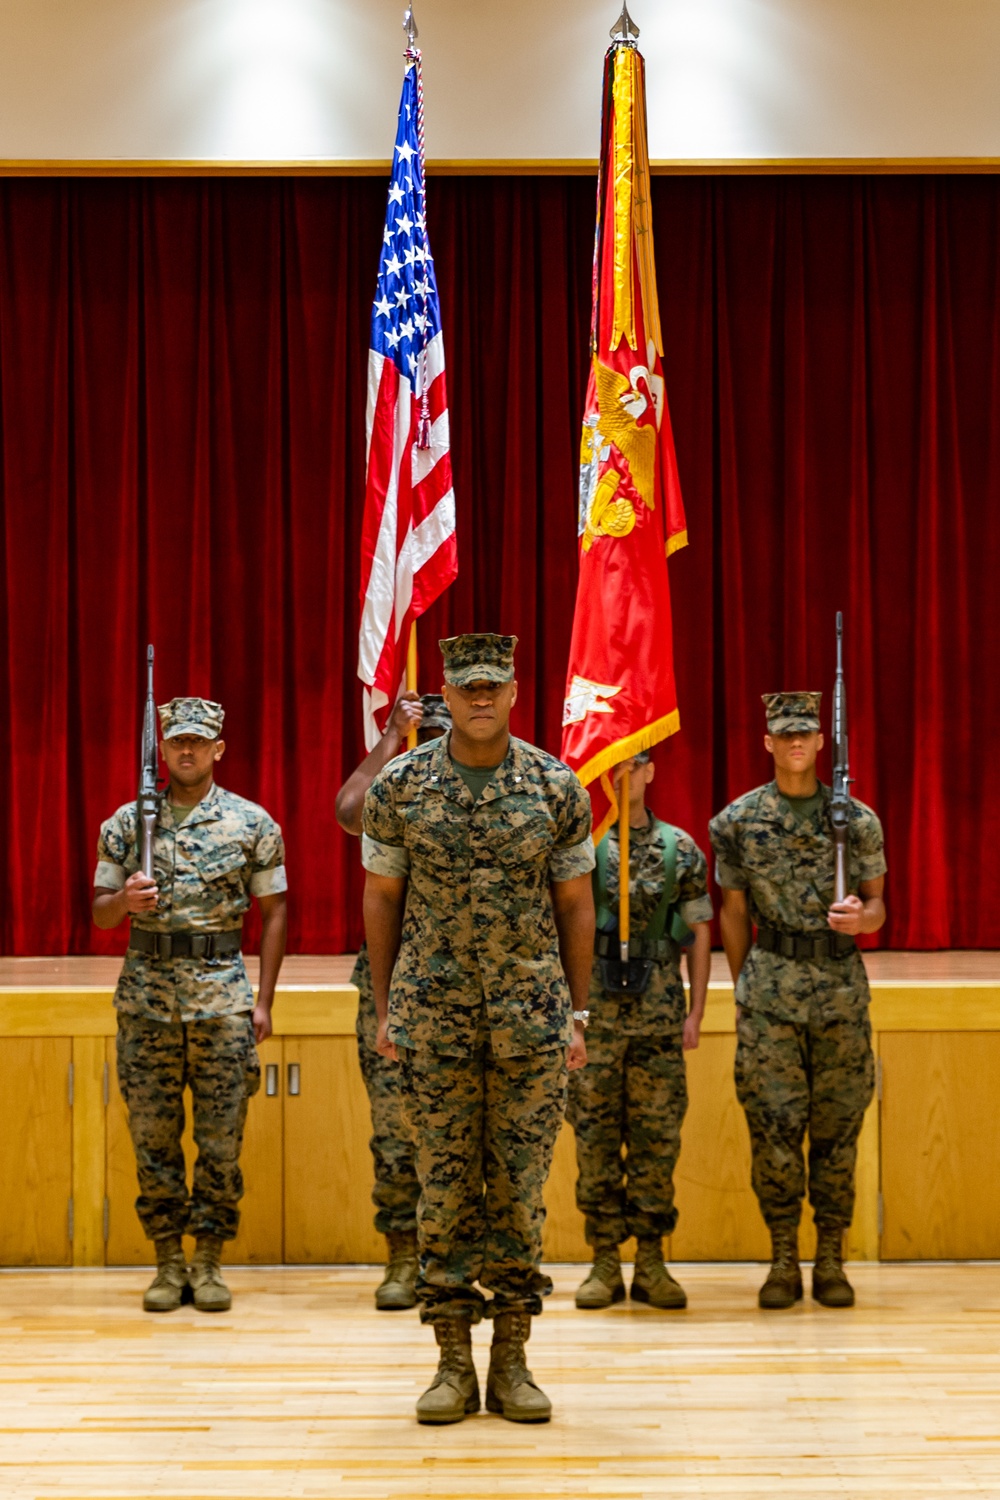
[479,917]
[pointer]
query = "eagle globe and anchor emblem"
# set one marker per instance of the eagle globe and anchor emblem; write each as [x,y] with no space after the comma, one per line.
[617,474]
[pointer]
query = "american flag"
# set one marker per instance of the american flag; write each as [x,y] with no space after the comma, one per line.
[408,549]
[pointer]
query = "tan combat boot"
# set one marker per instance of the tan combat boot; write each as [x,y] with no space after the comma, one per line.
[166,1291]
[454,1391]
[830,1287]
[783,1287]
[210,1291]
[399,1284]
[651,1281]
[604,1284]
[510,1389]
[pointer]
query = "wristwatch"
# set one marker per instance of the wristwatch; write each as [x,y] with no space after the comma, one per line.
[583,1016]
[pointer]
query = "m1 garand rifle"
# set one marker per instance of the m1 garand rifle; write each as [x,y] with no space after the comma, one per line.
[840,802]
[148,801]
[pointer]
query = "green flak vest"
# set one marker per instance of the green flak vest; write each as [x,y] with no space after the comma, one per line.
[662,940]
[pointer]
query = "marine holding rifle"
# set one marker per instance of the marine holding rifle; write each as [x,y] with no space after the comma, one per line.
[632,1096]
[183,867]
[803,1056]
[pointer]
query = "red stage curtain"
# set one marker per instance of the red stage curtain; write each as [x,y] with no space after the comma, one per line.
[182,374]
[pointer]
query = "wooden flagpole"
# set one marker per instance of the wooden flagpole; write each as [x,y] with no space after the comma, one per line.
[623,863]
[411,678]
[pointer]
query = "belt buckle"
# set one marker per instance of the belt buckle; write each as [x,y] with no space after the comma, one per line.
[200,945]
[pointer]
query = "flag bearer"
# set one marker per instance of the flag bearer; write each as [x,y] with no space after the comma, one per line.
[396,1187]
[632,1095]
[803,1054]
[186,1012]
[480,923]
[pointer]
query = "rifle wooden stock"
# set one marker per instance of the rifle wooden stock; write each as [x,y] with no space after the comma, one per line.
[840,864]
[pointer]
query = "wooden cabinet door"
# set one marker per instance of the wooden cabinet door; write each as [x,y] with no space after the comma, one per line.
[260,1236]
[260,1240]
[562,1237]
[36,1151]
[328,1167]
[718,1214]
[940,1145]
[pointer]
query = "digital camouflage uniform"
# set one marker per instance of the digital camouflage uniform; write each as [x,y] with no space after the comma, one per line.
[479,1007]
[188,1020]
[397,1187]
[803,1057]
[633,1091]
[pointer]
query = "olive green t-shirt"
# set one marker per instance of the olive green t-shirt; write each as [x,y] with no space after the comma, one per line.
[181,814]
[803,807]
[476,778]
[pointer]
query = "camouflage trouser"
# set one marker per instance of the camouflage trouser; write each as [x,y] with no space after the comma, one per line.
[817,1076]
[632,1093]
[396,1187]
[217,1059]
[485,1129]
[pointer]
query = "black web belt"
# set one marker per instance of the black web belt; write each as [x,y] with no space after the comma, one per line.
[185,944]
[805,946]
[608,945]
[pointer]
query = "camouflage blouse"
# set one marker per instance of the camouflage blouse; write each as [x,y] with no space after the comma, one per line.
[785,865]
[207,868]
[479,955]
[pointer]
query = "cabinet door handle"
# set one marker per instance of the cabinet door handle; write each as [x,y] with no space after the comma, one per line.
[271,1080]
[293,1079]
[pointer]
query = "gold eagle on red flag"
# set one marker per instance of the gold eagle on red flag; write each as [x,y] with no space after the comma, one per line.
[620,692]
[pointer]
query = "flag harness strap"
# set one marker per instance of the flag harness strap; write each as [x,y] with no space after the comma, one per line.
[657,944]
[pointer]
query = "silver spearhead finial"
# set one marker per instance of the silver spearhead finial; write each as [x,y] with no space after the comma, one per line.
[410,27]
[624,29]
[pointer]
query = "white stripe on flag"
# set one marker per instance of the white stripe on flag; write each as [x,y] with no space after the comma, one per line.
[375,363]
[419,547]
[377,614]
[424,459]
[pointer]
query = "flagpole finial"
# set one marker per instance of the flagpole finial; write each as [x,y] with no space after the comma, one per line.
[625,30]
[410,27]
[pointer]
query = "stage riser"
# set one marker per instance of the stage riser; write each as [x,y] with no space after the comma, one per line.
[308,1169]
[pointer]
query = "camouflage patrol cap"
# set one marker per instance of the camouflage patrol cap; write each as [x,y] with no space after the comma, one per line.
[478,658]
[792,713]
[191,716]
[436,715]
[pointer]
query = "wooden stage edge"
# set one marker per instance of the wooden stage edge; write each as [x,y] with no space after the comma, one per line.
[953,990]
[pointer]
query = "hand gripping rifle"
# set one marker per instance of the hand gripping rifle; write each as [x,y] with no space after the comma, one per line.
[148,801]
[840,803]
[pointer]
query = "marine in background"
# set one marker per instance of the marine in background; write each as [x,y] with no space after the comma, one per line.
[480,923]
[627,1106]
[804,1059]
[186,1012]
[396,1187]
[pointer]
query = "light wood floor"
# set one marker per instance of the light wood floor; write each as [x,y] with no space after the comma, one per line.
[304,1391]
[335,968]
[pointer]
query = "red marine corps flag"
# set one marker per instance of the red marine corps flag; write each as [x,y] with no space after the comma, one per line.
[620,693]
